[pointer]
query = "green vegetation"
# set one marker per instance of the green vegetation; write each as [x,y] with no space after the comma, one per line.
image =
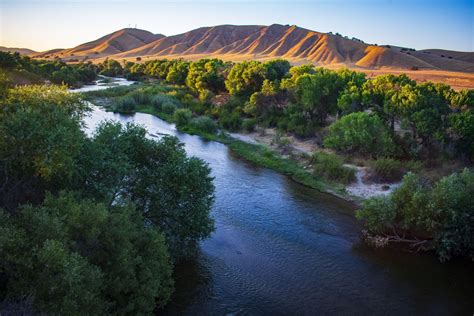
[416,121]
[204,124]
[360,133]
[182,117]
[332,168]
[23,69]
[391,170]
[389,123]
[92,224]
[438,216]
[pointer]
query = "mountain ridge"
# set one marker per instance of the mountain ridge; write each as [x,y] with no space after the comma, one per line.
[240,42]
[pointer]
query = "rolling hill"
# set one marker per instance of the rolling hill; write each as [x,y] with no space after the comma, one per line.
[22,51]
[299,45]
[113,43]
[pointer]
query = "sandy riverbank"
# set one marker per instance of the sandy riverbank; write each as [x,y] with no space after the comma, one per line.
[362,188]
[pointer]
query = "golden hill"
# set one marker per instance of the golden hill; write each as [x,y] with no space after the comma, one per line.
[114,43]
[299,45]
[22,51]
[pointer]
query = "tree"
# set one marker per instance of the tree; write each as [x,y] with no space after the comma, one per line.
[266,105]
[245,78]
[317,94]
[361,133]
[174,192]
[178,72]
[388,95]
[276,69]
[439,217]
[8,60]
[5,84]
[205,76]
[40,138]
[351,97]
[79,256]
[462,132]
[111,68]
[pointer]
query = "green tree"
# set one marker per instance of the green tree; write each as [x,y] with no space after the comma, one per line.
[79,256]
[206,76]
[276,69]
[40,139]
[174,192]
[360,133]
[111,68]
[439,217]
[245,78]
[389,95]
[462,132]
[316,95]
[178,72]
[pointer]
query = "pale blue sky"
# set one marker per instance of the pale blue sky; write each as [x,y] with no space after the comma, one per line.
[47,24]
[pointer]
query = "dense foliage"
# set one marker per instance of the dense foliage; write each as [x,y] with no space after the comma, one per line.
[392,123]
[92,224]
[438,216]
[35,71]
[362,133]
[417,121]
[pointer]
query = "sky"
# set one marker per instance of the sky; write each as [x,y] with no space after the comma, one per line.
[419,24]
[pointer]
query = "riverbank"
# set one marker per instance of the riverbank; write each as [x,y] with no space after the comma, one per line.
[263,156]
[282,153]
[265,147]
[261,148]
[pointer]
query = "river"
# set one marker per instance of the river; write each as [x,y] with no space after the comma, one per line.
[281,248]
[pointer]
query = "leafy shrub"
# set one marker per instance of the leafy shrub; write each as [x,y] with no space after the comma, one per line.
[67,261]
[141,97]
[360,133]
[249,124]
[230,121]
[388,169]
[439,216]
[332,167]
[182,117]
[158,100]
[125,104]
[205,124]
[168,107]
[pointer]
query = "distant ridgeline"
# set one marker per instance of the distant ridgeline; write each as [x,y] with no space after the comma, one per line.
[247,42]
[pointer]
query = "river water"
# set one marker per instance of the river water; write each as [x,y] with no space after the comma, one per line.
[280,248]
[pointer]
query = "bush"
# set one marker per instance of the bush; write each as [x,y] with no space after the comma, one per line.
[182,117]
[168,108]
[140,97]
[230,121]
[439,216]
[158,100]
[360,133]
[332,167]
[388,169]
[249,124]
[205,124]
[125,105]
[78,256]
